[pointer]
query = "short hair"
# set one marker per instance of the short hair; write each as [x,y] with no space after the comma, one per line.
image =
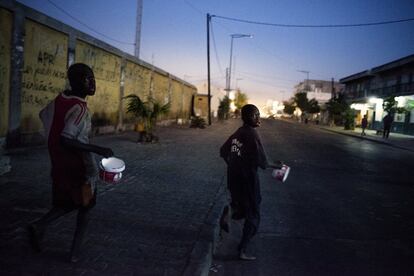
[77,72]
[247,111]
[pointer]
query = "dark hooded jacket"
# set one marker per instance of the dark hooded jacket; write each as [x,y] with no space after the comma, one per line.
[244,153]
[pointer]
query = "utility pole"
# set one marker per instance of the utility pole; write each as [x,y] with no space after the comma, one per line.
[208,68]
[307,79]
[138,28]
[229,74]
[227,82]
[333,89]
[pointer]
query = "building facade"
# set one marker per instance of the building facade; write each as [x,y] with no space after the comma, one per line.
[367,90]
[320,90]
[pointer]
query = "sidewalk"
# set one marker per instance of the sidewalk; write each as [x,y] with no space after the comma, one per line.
[161,220]
[396,140]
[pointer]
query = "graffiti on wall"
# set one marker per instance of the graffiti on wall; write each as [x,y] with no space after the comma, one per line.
[37,81]
[44,71]
[107,70]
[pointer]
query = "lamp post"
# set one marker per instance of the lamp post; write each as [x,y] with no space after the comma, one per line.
[228,84]
[208,68]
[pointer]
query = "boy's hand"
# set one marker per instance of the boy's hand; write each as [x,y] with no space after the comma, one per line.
[276,165]
[105,152]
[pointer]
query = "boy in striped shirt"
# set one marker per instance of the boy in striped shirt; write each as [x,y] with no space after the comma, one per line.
[67,124]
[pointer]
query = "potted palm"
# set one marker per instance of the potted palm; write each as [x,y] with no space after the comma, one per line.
[146,114]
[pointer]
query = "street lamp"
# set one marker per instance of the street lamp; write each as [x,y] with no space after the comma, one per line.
[231,58]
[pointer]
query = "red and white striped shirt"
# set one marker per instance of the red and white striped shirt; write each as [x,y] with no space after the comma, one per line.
[68,116]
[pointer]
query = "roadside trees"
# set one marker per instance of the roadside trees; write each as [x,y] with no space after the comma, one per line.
[224,108]
[340,111]
[390,105]
[307,106]
[289,107]
[239,101]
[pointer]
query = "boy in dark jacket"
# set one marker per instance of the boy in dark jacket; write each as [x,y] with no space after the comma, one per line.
[243,152]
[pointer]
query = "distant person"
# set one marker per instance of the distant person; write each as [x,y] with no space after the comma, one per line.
[67,124]
[364,124]
[387,121]
[237,113]
[243,153]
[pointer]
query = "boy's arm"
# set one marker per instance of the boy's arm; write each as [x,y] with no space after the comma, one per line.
[276,165]
[262,161]
[76,145]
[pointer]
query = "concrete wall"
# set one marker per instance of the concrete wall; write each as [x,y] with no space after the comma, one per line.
[6,21]
[44,72]
[107,68]
[5,55]
[36,51]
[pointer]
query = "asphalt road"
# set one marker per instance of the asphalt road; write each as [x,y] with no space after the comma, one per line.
[347,208]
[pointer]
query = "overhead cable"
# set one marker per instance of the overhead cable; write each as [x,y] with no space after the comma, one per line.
[193,7]
[215,50]
[314,26]
[86,26]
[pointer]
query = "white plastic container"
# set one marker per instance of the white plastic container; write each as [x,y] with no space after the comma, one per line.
[110,169]
[282,173]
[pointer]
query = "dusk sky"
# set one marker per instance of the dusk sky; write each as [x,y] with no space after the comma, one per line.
[265,66]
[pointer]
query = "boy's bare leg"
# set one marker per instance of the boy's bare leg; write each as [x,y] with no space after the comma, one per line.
[81,226]
[250,228]
[37,228]
[225,219]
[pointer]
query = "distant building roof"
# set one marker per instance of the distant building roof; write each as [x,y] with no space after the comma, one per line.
[394,64]
[387,66]
[360,75]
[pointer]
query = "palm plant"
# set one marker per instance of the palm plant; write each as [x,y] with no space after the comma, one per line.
[147,114]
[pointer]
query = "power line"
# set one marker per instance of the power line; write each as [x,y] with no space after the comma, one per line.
[212,35]
[205,79]
[215,49]
[87,26]
[267,83]
[314,26]
[200,76]
[248,74]
[194,8]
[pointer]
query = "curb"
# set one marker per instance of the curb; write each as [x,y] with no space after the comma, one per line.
[201,256]
[366,138]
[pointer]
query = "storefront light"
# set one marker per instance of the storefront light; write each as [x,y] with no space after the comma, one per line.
[358,106]
[232,95]
[401,101]
[232,107]
[374,100]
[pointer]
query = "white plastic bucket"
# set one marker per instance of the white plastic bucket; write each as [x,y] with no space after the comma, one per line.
[282,173]
[110,169]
